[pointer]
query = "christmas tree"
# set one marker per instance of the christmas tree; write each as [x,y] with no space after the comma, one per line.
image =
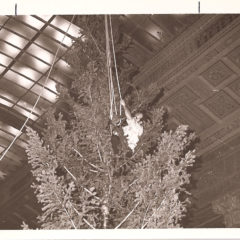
[86,174]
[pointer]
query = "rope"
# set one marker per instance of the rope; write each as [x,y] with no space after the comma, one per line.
[110,76]
[108,68]
[40,94]
[115,64]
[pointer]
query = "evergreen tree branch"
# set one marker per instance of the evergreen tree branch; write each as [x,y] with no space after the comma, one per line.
[129,214]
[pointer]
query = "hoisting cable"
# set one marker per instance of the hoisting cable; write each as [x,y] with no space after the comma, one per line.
[115,65]
[109,69]
[40,94]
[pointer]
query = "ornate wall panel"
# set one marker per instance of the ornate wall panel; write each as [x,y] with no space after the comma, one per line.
[221,104]
[217,73]
[235,86]
[200,74]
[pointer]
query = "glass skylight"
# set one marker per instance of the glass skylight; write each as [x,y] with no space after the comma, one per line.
[18,79]
[8,96]
[26,71]
[29,107]
[25,113]
[50,44]
[50,96]
[63,24]
[61,78]
[4,59]
[8,49]
[63,66]
[44,17]
[40,53]
[12,38]
[20,28]
[58,36]
[34,63]
[32,21]
[20,142]
[31,98]
[50,84]
[9,129]
[5,102]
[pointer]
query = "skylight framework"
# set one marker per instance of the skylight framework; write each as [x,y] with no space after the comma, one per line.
[28,45]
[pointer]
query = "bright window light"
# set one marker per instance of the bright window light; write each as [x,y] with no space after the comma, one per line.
[20,28]
[25,113]
[58,36]
[12,38]
[26,71]
[50,96]
[8,49]
[5,102]
[34,63]
[40,53]
[50,44]
[4,59]
[39,65]
[21,142]
[50,84]
[32,21]
[29,107]
[63,24]
[18,79]
[9,96]
[61,78]
[12,130]
[45,17]
[63,66]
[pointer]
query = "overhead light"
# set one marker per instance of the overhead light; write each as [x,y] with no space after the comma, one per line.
[26,113]
[40,53]
[29,107]
[58,36]
[9,49]
[63,24]
[34,63]
[8,95]
[63,66]
[12,38]
[20,28]
[50,96]
[32,21]
[5,102]
[26,71]
[45,17]
[5,60]
[50,84]
[20,141]
[18,79]
[9,128]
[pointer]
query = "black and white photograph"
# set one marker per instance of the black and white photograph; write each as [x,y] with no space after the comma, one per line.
[119,121]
